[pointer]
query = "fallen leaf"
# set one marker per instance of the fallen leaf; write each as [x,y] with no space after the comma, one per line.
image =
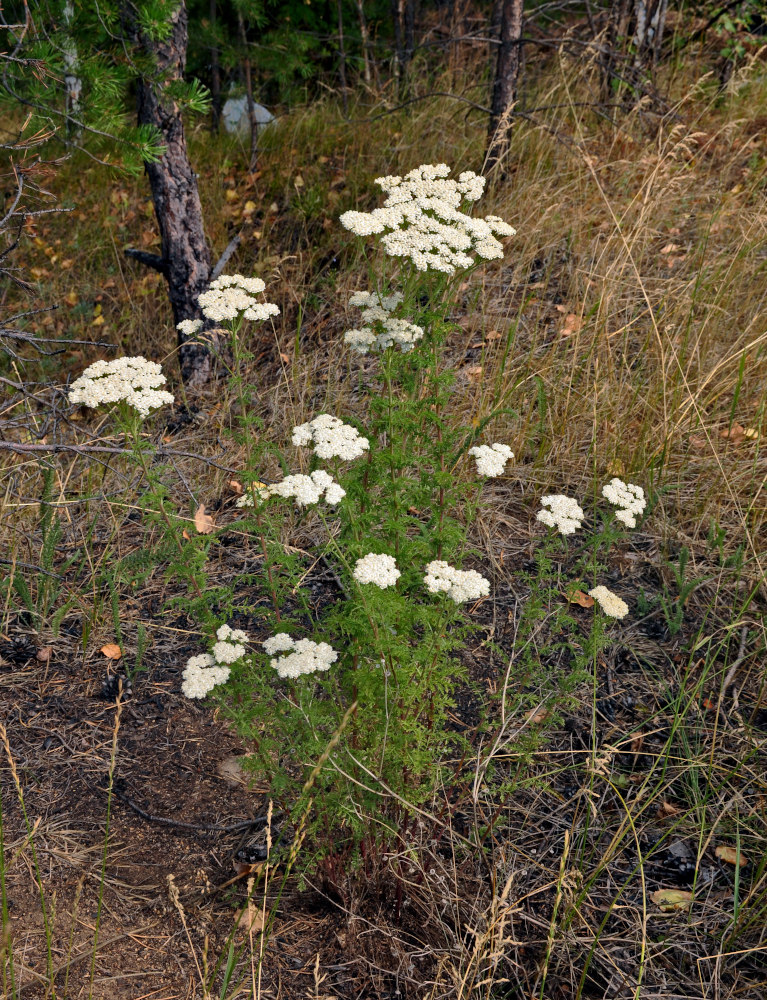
[231,195]
[185,534]
[284,357]
[203,522]
[571,325]
[71,298]
[578,597]
[236,487]
[44,653]
[561,309]
[537,715]
[298,181]
[738,433]
[493,335]
[251,918]
[474,374]
[672,899]
[670,248]
[98,321]
[112,651]
[666,810]
[731,855]
[248,208]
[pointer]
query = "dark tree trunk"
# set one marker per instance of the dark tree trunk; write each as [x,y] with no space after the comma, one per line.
[215,73]
[249,95]
[505,83]
[185,258]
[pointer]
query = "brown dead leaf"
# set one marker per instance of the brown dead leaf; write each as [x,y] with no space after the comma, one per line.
[493,335]
[285,358]
[250,918]
[203,522]
[44,653]
[571,325]
[236,487]
[731,855]
[474,373]
[537,715]
[185,534]
[672,899]
[670,248]
[666,810]
[578,597]
[112,651]
[738,433]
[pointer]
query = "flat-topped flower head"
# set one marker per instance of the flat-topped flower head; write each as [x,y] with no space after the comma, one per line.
[421,219]
[232,296]
[307,490]
[460,585]
[628,498]
[382,330]
[609,602]
[133,381]
[331,437]
[560,512]
[380,570]
[491,458]
[301,656]
[229,647]
[201,674]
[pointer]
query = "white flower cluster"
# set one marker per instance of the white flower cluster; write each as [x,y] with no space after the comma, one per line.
[305,489]
[378,569]
[229,647]
[609,602]
[332,438]
[564,513]
[460,585]
[383,329]
[189,326]
[491,458]
[421,219]
[302,655]
[125,380]
[202,673]
[233,295]
[628,498]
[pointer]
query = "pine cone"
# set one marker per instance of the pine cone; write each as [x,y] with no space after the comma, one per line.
[18,650]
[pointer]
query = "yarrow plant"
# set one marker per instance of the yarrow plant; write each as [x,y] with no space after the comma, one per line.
[628,498]
[491,459]
[421,220]
[561,512]
[132,381]
[382,330]
[206,671]
[331,437]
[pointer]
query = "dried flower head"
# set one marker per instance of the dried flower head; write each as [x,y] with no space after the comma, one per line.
[491,459]
[302,656]
[628,498]
[609,602]
[125,380]
[421,220]
[460,585]
[231,296]
[378,569]
[201,674]
[331,437]
[563,513]
[383,329]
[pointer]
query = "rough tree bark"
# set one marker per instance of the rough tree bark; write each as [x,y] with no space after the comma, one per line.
[505,83]
[185,259]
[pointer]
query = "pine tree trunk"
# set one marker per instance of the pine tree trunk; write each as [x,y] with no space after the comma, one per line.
[505,83]
[185,255]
